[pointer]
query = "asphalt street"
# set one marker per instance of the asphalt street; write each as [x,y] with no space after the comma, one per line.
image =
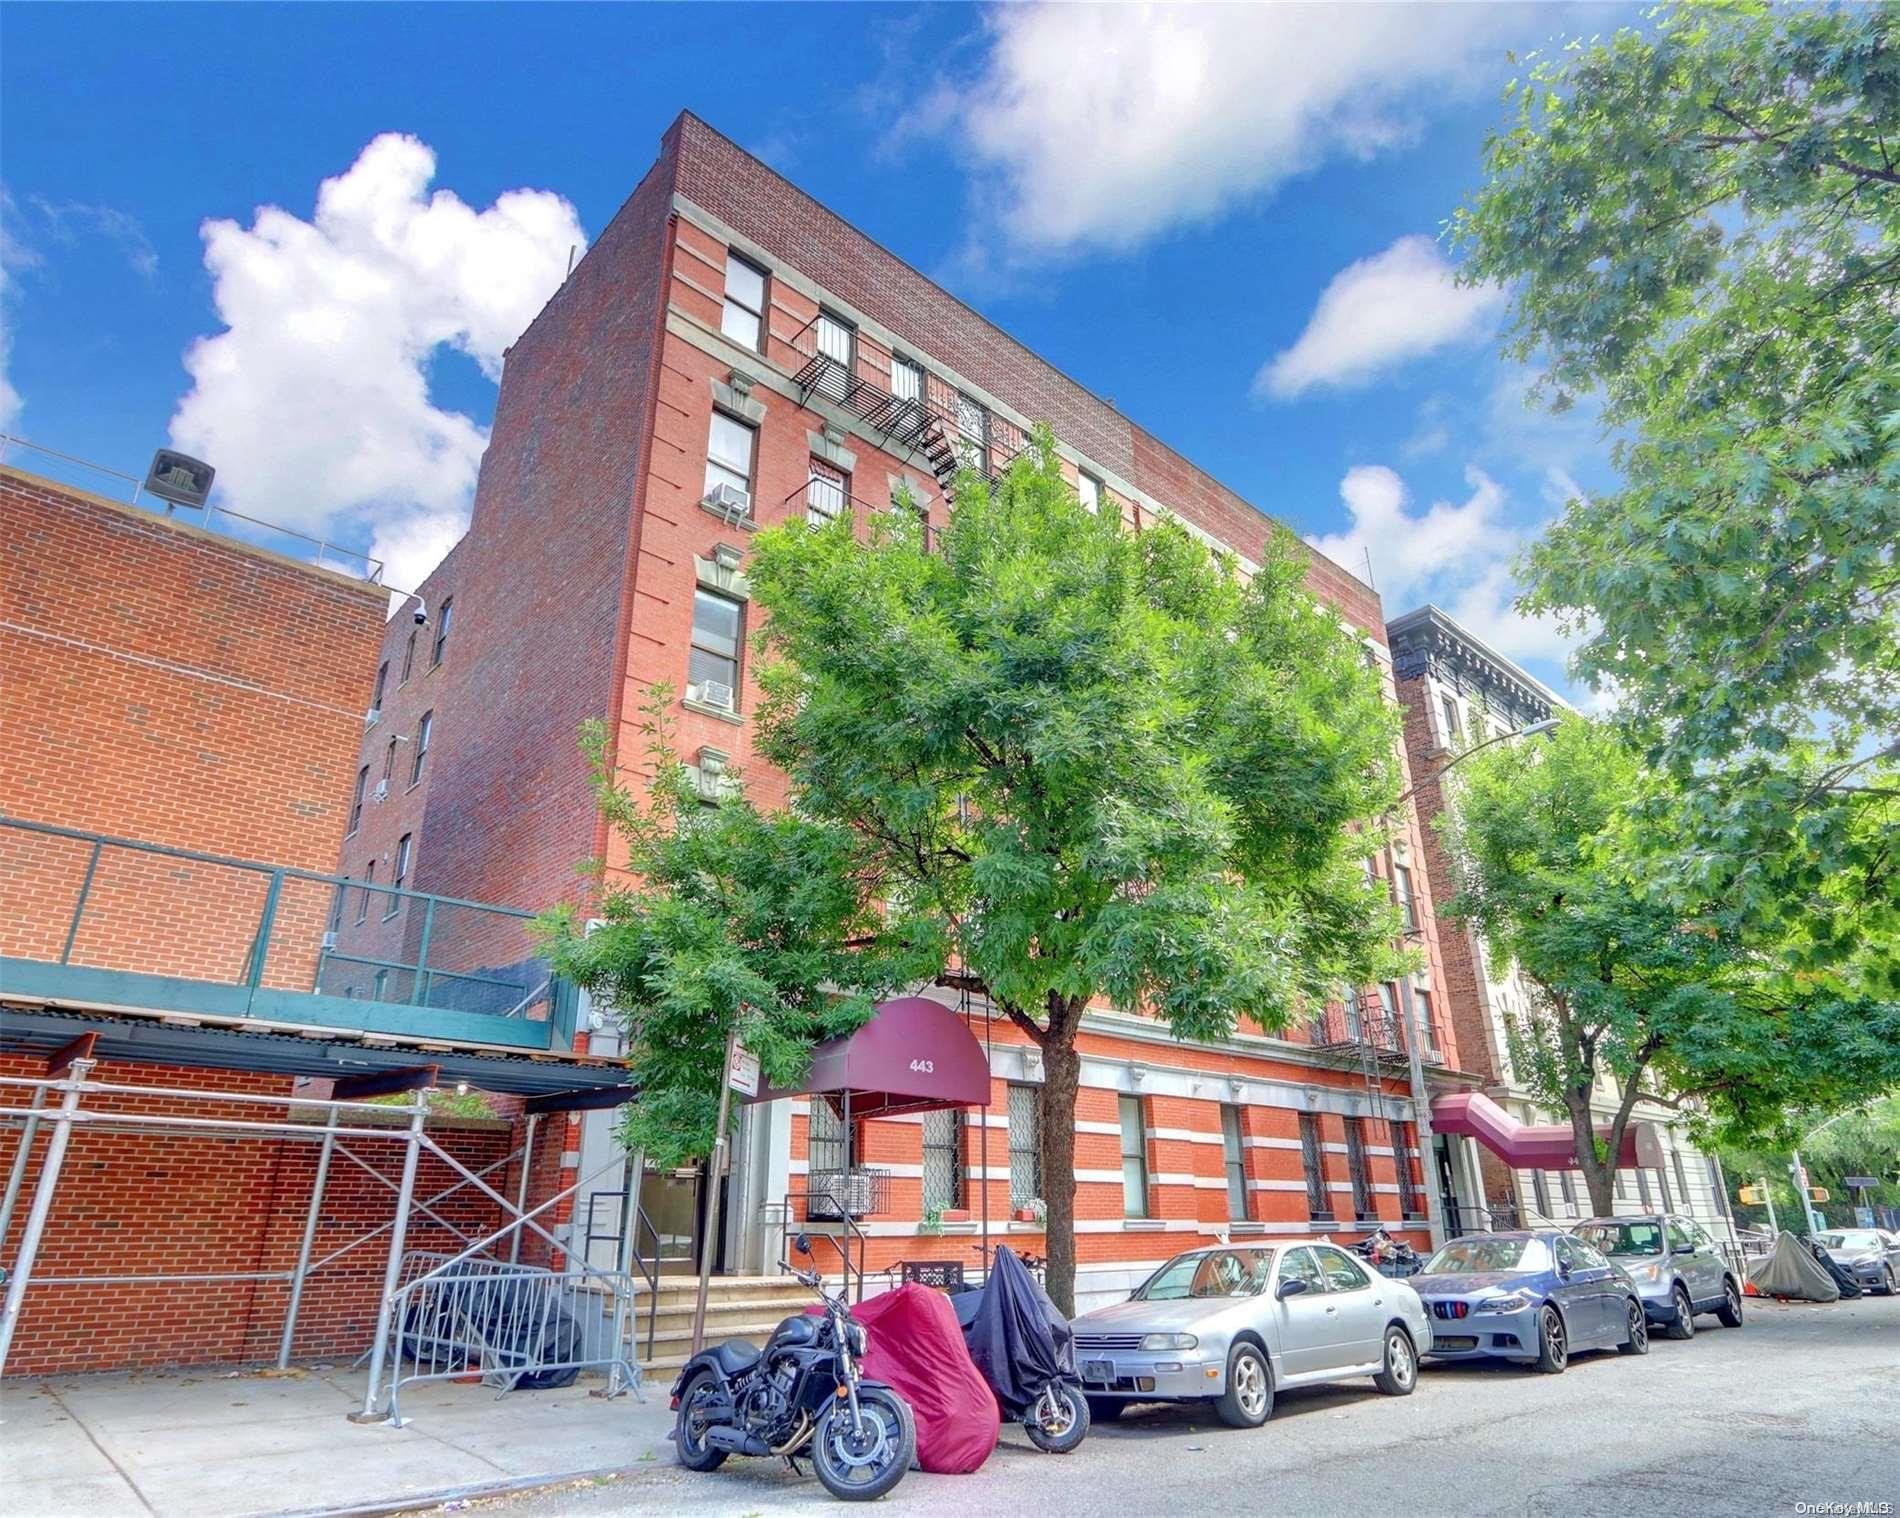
[1800,1405]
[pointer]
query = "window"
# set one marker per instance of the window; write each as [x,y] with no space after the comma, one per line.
[1453,732]
[1235,1161]
[356,806]
[1540,1190]
[404,847]
[382,680]
[1569,1187]
[1210,1273]
[1402,893]
[442,620]
[973,429]
[943,1158]
[423,729]
[1389,1005]
[1642,1188]
[409,658]
[1679,1235]
[1662,1185]
[389,761]
[1088,490]
[1356,1169]
[907,379]
[825,1148]
[743,319]
[838,348]
[1134,1159]
[336,905]
[1716,1189]
[1622,1191]
[1299,1265]
[1682,1178]
[729,448]
[369,879]
[1427,1018]
[1025,1146]
[1342,1272]
[825,493]
[1319,1202]
[712,664]
[379,988]
[1402,1158]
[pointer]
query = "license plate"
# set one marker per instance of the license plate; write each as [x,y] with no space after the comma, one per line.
[1102,1371]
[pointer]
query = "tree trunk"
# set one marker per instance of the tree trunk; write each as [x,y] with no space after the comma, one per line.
[1599,1178]
[1061,1076]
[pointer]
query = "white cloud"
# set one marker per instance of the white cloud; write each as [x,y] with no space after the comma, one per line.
[1104,125]
[14,256]
[314,403]
[1378,312]
[1455,553]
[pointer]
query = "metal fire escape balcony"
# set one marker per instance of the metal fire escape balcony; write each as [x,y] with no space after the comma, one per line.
[1363,1026]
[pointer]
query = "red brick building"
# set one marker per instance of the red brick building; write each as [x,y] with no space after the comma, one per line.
[729,353]
[184,715]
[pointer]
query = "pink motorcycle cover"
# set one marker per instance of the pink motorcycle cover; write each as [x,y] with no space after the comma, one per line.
[917,1347]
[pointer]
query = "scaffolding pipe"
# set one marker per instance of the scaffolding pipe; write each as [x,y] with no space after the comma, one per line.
[42,1205]
[392,1272]
[309,1242]
[234,1097]
[624,1248]
[17,1175]
[521,1190]
[495,1196]
[381,1228]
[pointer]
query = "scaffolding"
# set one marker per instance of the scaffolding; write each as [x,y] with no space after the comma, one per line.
[65,1100]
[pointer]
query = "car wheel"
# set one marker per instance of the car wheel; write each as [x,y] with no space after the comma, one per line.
[1636,1340]
[1401,1365]
[1248,1400]
[1729,1314]
[1892,1287]
[1106,1409]
[1553,1341]
[1682,1325]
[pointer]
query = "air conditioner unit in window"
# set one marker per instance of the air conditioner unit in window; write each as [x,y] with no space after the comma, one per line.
[732,503]
[381,793]
[713,693]
[372,716]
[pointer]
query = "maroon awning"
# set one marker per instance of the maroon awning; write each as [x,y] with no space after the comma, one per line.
[914,1055]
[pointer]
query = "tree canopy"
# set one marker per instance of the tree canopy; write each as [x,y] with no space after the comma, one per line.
[1685,1008]
[1699,224]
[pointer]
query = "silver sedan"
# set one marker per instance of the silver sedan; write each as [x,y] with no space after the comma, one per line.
[1870,1255]
[1233,1324]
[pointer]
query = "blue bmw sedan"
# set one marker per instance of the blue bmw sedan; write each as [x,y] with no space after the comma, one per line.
[1533,1297]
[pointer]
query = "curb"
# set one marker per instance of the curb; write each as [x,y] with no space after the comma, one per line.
[509,1487]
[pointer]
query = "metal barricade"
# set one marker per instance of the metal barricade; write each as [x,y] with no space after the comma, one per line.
[512,1325]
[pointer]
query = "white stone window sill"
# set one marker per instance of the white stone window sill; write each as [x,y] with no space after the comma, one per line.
[1143,1225]
[712,711]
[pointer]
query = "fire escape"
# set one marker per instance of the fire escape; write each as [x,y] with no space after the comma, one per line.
[1371,1032]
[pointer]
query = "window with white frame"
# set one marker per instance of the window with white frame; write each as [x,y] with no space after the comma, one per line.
[729,450]
[424,729]
[826,492]
[1233,1158]
[1088,490]
[1453,731]
[907,379]
[838,346]
[1402,893]
[973,434]
[712,664]
[405,846]
[743,319]
[1134,1158]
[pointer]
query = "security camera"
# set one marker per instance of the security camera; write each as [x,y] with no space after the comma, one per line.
[422,611]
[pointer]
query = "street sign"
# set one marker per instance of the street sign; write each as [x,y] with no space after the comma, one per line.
[744,1076]
[1863,1217]
[1860,1180]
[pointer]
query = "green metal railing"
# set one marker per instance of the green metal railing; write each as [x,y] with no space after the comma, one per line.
[156,928]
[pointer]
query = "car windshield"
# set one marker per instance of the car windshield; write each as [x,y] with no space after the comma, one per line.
[1483,1256]
[1850,1238]
[1624,1240]
[1214,1273]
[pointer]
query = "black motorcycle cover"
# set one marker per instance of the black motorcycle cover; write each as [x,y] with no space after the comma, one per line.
[1843,1277]
[1016,1335]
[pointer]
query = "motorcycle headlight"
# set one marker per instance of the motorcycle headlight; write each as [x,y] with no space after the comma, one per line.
[1169,1341]
[1515,1301]
[855,1338]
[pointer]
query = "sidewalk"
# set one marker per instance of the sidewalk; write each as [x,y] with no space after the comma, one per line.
[213,1444]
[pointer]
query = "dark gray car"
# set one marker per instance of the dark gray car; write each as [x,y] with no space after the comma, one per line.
[1870,1255]
[1677,1268]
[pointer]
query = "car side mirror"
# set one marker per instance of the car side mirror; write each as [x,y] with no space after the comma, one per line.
[1563,1270]
[802,1245]
[1291,1287]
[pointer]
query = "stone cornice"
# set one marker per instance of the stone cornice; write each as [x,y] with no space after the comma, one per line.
[1427,641]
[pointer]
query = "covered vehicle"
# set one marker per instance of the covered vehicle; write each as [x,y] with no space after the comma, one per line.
[1533,1297]
[1234,1324]
[1790,1272]
[1870,1255]
[1021,1344]
[1678,1269]
[917,1348]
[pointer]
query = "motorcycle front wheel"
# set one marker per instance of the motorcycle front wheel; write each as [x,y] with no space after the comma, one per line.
[858,1462]
[1058,1420]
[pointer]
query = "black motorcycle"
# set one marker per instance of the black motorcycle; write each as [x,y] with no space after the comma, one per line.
[1022,1346]
[802,1394]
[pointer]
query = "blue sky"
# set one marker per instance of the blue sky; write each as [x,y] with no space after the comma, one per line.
[1225,219]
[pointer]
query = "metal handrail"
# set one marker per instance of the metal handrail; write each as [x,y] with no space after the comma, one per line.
[852,1233]
[373,567]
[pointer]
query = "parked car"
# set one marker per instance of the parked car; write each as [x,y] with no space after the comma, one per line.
[1677,1268]
[1871,1255]
[1236,1324]
[1532,1296]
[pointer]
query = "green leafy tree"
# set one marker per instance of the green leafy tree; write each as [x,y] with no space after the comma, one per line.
[1684,1010]
[1864,1141]
[1699,222]
[767,922]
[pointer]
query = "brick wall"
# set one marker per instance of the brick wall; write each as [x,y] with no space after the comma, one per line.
[159,1203]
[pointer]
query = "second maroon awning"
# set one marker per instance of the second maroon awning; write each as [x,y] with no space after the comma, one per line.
[914,1055]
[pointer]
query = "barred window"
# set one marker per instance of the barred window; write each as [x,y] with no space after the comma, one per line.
[1356,1169]
[1025,1146]
[943,1158]
[825,1148]
[1401,1157]
[1319,1201]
